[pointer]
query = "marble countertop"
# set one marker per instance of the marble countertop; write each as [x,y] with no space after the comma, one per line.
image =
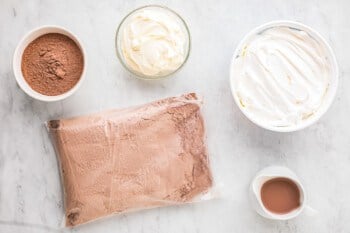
[30,190]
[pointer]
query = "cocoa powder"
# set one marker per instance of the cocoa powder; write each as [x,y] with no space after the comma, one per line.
[52,64]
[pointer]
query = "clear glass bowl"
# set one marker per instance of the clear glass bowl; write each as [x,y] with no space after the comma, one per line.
[119,49]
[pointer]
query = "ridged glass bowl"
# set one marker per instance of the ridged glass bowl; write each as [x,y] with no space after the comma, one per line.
[120,33]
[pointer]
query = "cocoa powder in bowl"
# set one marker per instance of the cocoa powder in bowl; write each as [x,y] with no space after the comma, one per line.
[52,64]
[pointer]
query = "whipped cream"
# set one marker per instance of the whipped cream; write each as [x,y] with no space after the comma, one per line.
[281,76]
[154,41]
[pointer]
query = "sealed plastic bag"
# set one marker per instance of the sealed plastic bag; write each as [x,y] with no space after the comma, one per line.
[130,159]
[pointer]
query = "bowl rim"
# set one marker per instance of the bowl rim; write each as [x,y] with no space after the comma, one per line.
[150,77]
[17,58]
[334,83]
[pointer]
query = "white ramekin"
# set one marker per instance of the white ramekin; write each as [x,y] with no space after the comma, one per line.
[333,83]
[17,60]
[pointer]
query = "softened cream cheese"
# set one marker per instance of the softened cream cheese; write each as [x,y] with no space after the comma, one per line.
[154,43]
[281,76]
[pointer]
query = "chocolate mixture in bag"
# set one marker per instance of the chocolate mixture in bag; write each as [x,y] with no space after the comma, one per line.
[135,158]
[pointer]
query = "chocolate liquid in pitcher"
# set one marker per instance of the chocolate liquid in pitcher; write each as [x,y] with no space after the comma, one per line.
[280,195]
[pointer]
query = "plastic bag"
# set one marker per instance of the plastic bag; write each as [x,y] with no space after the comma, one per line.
[130,159]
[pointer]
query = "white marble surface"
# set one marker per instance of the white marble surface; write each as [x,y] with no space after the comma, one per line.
[30,191]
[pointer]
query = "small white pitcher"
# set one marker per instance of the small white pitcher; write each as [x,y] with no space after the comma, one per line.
[269,173]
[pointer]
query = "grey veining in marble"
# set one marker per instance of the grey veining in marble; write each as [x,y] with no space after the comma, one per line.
[30,191]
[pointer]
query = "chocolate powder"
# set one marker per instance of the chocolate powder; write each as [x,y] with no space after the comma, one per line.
[130,159]
[52,64]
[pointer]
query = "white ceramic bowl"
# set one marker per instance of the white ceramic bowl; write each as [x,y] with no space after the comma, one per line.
[333,82]
[17,60]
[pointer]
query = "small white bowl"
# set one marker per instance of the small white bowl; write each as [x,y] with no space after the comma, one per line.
[332,87]
[17,60]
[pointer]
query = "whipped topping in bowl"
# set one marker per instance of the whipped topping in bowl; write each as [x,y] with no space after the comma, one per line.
[281,76]
[153,42]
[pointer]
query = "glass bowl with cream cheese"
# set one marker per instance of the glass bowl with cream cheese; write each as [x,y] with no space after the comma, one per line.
[283,76]
[153,42]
